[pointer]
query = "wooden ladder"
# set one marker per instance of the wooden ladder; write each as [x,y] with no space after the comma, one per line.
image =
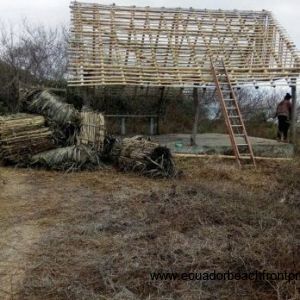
[234,121]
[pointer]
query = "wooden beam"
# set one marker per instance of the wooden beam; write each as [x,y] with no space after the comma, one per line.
[189,155]
[197,105]
[294,112]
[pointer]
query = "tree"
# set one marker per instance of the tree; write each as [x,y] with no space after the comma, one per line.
[33,55]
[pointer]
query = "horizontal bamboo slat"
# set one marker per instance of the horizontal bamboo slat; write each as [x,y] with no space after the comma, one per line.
[117,45]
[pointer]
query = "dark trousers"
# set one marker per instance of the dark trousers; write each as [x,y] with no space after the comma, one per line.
[283,127]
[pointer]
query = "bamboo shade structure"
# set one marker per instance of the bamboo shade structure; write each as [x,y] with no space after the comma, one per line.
[116,45]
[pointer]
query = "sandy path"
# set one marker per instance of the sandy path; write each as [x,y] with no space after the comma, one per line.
[17,235]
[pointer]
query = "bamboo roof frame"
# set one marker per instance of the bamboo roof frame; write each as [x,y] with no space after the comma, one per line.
[117,45]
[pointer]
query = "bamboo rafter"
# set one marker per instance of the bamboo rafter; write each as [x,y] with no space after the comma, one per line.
[115,45]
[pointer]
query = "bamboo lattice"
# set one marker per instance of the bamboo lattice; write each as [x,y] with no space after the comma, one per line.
[115,45]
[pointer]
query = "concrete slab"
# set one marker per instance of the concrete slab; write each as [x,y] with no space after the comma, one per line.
[216,143]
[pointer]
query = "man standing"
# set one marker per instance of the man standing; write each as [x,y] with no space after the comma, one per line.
[284,113]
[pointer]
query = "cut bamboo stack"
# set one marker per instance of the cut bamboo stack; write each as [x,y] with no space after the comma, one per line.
[23,135]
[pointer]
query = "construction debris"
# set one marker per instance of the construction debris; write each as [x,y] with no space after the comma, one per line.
[72,158]
[143,156]
[23,135]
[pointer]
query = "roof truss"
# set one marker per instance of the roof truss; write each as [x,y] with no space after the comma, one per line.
[113,45]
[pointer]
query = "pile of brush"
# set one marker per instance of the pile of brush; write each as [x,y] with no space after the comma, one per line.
[78,139]
[65,122]
[143,156]
[23,135]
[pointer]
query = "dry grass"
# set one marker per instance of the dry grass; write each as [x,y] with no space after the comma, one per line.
[103,233]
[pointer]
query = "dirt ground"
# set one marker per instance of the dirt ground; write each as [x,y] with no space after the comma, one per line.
[98,235]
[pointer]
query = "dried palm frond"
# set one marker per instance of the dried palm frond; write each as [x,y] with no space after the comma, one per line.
[70,158]
[62,118]
[52,107]
[143,156]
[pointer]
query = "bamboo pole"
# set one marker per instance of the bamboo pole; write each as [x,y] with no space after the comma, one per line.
[196,120]
[294,113]
[228,157]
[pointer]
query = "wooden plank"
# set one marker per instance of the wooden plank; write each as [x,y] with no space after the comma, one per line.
[294,113]
[229,156]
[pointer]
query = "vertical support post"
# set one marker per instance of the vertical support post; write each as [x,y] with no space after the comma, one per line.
[196,120]
[85,96]
[151,125]
[95,56]
[160,108]
[294,110]
[123,126]
[161,100]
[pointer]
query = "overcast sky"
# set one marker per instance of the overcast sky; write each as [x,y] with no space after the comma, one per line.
[54,12]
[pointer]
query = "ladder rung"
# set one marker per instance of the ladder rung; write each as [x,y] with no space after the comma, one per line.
[231,107]
[233,117]
[240,145]
[236,125]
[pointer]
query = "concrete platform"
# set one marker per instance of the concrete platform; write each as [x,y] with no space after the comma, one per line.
[216,143]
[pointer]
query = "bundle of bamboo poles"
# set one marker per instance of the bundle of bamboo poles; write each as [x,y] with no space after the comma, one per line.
[92,130]
[143,156]
[23,135]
